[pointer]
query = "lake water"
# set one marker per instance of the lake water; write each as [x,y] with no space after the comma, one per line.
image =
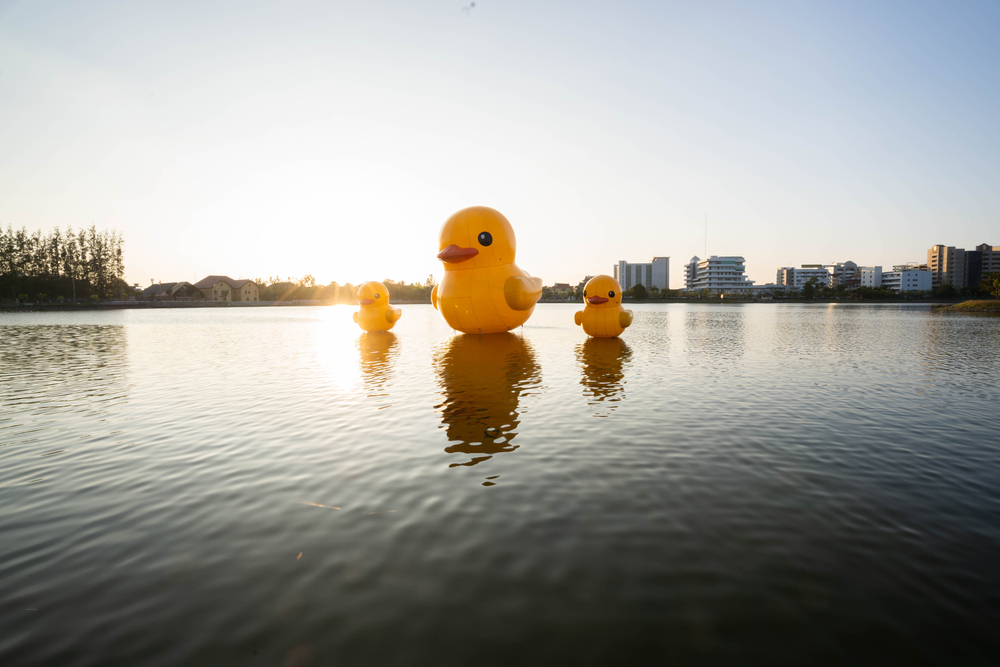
[726,484]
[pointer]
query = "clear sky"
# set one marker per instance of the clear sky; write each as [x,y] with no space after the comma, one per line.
[333,138]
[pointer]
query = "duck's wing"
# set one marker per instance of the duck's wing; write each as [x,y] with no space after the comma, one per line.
[434,297]
[522,292]
[625,319]
[355,317]
[578,318]
[393,315]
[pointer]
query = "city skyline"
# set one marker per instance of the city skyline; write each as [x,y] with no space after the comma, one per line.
[266,140]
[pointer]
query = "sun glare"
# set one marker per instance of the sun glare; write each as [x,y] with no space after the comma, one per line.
[336,346]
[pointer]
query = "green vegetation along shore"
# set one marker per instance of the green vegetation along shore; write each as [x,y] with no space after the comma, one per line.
[975,306]
[61,266]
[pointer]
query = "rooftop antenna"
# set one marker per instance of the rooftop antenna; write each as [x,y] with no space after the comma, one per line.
[706,235]
[468,9]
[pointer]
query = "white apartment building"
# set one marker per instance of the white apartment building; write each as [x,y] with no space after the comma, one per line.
[909,280]
[902,278]
[871,276]
[842,273]
[816,272]
[824,275]
[797,278]
[719,274]
[690,273]
[655,273]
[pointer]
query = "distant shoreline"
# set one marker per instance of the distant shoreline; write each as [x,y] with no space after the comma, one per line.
[174,305]
[163,305]
[722,302]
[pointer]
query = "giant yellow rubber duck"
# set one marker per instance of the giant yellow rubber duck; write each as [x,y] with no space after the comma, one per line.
[603,315]
[483,290]
[375,313]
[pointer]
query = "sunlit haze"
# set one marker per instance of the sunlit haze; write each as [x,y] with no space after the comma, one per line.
[281,139]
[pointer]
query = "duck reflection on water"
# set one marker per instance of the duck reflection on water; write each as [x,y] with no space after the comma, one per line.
[483,379]
[603,361]
[378,353]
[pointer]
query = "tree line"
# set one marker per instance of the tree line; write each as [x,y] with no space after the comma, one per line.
[88,264]
[306,289]
[636,292]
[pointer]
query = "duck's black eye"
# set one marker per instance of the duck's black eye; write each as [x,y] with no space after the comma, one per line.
[485,238]
[585,292]
[611,294]
[376,295]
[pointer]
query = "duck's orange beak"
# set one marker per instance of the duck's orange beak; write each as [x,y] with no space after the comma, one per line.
[366,302]
[454,254]
[594,300]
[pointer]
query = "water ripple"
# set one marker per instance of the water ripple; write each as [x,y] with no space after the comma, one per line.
[762,483]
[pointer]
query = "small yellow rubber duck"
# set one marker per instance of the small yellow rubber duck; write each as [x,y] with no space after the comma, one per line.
[483,290]
[375,313]
[603,316]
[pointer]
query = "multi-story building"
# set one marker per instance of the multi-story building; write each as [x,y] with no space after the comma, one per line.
[991,257]
[845,274]
[947,265]
[903,279]
[870,276]
[962,268]
[984,259]
[818,273]
[796,278]
[824,275]
[691,273]
[651,274]
[719,274]
[224,288]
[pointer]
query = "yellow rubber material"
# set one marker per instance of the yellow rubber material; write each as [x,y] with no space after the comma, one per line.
[484,292]
[607,319]
[377,315]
